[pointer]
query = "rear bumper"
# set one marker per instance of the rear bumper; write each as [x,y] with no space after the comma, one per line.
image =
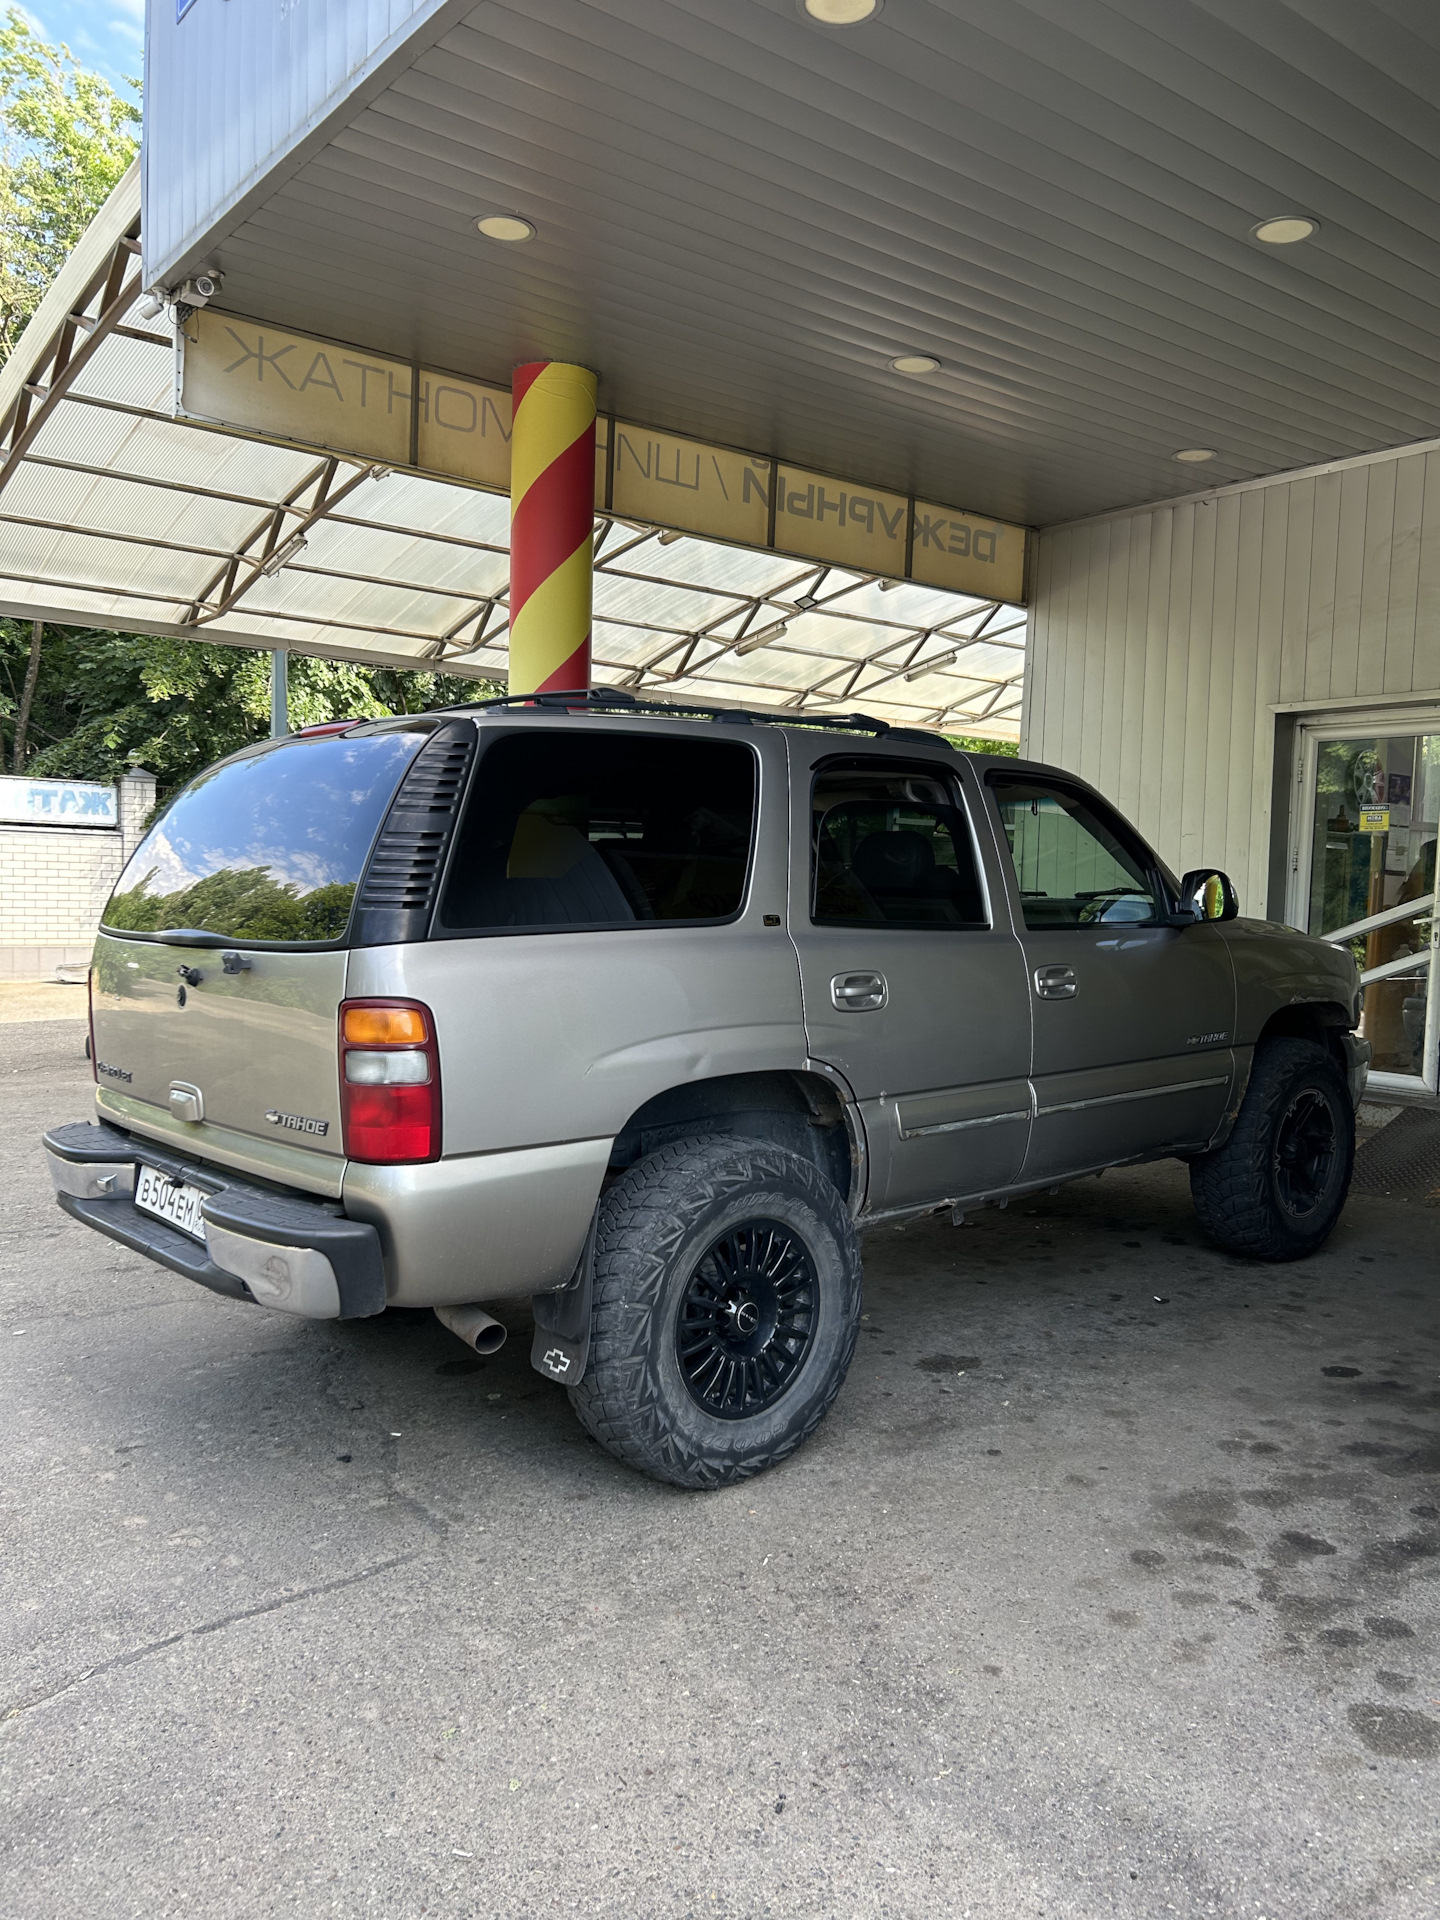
[283,1251]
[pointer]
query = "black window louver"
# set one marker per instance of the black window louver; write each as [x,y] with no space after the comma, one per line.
[403,874]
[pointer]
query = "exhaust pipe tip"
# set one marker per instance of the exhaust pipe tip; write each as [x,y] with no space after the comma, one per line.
[475,1327]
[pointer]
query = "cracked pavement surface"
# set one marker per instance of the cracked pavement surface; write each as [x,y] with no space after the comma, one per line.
[1083,1602]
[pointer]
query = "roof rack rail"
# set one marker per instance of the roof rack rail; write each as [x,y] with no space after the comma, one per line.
[617,699]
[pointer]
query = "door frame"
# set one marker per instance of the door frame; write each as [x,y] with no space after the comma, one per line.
[1116,1090]
[977,1102]
[1311,733]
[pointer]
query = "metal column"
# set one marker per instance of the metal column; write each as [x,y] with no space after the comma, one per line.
[552,524]
[279,693]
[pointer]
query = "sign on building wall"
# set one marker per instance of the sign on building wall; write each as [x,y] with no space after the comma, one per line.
[58,803]
[291,386]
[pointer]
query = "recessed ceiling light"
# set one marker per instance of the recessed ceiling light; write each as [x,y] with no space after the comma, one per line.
[915,363]
[841,13]
[1284,229]
[506,226]
[1194,456]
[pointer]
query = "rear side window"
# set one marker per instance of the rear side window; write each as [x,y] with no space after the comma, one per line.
[268,845]
[611,831]
[892,848]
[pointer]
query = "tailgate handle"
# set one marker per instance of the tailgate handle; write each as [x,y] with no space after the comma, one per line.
[858,992]
[1055,983]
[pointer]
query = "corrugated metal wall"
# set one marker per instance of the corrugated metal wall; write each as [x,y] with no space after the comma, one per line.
[230,89]
[1162,641]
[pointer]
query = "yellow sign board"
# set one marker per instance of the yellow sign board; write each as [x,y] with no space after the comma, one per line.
[1374,820]
[318,393]
[967,554]
[463,429]
[821,518]
[711,491]
[292,387]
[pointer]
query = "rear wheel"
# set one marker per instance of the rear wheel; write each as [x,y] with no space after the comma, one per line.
[1275,1189]
[727,1301]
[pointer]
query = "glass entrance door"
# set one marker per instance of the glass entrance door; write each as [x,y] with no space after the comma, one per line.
[1369,884]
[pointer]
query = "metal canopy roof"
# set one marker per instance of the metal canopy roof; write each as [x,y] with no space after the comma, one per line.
[113,513]
[742,217]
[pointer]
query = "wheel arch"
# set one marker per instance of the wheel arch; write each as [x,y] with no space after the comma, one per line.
[1323,1021]
[1326,1022]
[796,1108]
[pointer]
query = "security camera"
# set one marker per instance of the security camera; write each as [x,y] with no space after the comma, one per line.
[202,288]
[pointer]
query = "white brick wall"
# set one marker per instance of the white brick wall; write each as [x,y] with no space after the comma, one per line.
[54,882]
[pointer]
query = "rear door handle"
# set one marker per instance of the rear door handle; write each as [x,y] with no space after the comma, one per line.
[858,992]
[1055,983]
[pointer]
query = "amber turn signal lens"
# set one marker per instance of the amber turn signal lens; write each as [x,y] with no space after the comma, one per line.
[385,1027]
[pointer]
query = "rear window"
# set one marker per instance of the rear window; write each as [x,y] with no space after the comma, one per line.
[613,831]
[269,845]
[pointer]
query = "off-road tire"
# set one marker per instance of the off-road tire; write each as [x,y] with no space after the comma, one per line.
[1239,1189]
[656,1225]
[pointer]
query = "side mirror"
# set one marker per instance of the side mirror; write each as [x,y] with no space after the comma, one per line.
[1206,894]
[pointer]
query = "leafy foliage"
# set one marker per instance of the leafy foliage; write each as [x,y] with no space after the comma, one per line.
[243,903]
[105,701]
[971,743]
[66,137]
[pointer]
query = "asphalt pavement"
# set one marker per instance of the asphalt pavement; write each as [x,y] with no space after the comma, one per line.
[1108,1588]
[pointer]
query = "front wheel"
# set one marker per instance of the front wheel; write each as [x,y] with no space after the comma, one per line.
[1275,1189]
[727,1302]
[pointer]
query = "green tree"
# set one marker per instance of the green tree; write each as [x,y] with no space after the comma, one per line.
[244,903]
[66,137]
[104,701]
[972,743]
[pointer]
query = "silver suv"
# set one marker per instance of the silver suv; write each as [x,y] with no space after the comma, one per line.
[639,1015]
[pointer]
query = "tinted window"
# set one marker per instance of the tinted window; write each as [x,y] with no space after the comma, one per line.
[610,831]
[269,845]
[892,849]
[1076,864]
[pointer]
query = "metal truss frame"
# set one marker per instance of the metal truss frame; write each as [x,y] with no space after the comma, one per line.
[278,534]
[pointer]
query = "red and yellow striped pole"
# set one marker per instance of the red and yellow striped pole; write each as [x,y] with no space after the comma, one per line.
[552,523]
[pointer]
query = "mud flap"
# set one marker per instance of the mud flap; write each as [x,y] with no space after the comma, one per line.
[561,1349]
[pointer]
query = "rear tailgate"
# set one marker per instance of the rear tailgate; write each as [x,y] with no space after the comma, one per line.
[221,962]
[257,1045]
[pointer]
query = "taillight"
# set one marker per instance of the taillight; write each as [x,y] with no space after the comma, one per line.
[90,1017]
[389,1082]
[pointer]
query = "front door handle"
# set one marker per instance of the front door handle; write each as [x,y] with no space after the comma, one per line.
[858,992]
[1055,983]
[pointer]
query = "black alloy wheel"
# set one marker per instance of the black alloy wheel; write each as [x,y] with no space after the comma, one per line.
[1306,1143]
[747,1319]
[1275,1187]
[726,1301]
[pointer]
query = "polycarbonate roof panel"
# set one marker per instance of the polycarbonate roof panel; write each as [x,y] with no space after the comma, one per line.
[118,515]
[741,217]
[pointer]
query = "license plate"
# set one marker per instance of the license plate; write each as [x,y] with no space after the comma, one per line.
[168,1200]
